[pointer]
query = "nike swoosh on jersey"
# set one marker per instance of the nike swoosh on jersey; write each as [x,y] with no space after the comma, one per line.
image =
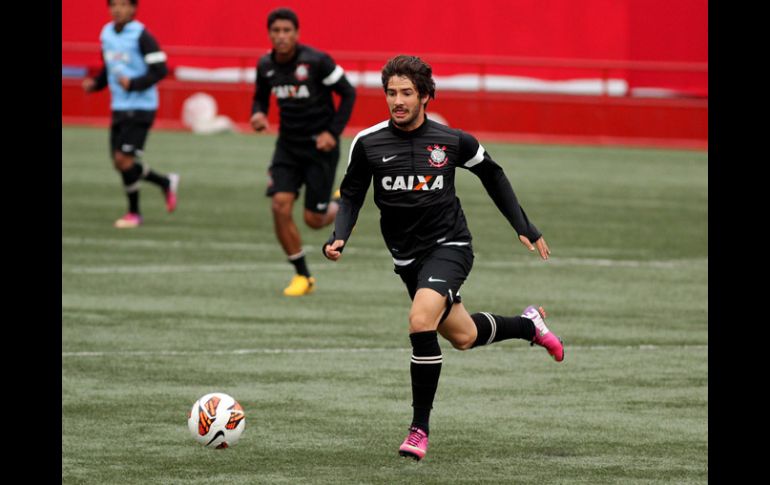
[433,280]
[387,159]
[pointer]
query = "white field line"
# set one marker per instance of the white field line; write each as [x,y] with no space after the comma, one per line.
[597,262]
[174,353]
[534,262]
[182,268]
[152,243]
[251,266]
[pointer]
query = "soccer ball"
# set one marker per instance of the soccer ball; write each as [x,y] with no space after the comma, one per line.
[216,420]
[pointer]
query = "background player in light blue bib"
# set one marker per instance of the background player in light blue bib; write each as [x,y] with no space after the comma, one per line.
[133,65]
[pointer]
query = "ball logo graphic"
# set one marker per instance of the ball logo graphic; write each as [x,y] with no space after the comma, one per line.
[216,420]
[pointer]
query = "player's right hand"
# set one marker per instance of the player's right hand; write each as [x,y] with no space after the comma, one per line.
[540,245]
[259,121]
[88,84]
[332,251]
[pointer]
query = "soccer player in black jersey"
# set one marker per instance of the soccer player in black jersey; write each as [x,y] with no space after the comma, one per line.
[411,161]
[307,150]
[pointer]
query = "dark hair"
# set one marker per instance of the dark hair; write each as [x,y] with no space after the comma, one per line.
[414,69]
[132,2]
[282,13]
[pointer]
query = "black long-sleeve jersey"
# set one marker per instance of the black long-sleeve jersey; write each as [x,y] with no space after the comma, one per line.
[303,87]
[414,187]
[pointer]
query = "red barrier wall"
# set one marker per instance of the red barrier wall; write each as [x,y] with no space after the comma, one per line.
[513,117]
[619,30]
[633,30]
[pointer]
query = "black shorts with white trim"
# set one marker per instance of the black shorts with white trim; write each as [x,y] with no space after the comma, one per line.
[444,270]
[301,163]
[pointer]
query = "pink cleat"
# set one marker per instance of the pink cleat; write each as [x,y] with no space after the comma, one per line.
[128,221]
[170,192]
[415,445]
[543,336]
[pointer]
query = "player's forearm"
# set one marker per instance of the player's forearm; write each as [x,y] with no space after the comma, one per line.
[501,192]
[260,102]
[346,218]
[155,72]
[100,81]
[347,99]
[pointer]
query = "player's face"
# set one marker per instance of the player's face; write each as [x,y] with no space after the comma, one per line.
[284,36]
[122,11]
[407,108]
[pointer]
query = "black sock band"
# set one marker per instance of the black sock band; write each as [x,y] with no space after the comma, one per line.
[425,369]
[494,328]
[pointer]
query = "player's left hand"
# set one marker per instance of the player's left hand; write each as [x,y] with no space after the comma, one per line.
[540,245]
[333,251]
[124,82]
[325,142]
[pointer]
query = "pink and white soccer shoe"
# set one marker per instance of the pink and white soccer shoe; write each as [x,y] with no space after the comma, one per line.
[415,445]
[543,336]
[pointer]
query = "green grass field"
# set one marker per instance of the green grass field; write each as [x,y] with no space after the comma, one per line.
[190,303]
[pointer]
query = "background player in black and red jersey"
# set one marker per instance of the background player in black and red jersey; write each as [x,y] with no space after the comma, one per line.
[412,162]
[307,150]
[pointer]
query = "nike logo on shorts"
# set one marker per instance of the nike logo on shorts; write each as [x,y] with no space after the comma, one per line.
[431,279]
[387,159]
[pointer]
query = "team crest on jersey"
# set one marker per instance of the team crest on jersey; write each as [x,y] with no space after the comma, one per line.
[438,156]
[302,72]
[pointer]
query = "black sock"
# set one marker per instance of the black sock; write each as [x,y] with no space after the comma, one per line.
[494,328]
[298,260]
[425,370]
[131,178]
[133,202]
[156,178]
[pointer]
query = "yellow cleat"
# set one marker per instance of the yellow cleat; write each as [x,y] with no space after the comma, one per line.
[337,195]
[300,285]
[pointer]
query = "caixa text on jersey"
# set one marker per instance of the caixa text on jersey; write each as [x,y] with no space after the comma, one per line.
[291,91]
[413,182]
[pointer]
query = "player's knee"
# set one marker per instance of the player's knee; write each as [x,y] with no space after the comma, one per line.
[420,322]
[315,220]
[122,161]
[281,207]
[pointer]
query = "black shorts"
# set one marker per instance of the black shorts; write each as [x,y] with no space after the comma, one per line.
[301,163]
[444,270]
[129,130]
